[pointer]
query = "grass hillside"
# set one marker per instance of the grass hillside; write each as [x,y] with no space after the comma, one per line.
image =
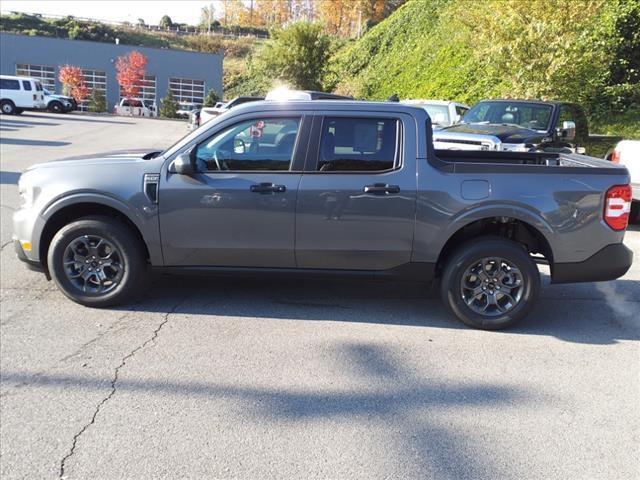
[587,51]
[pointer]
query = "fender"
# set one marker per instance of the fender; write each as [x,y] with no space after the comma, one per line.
[483,211]
[145,219]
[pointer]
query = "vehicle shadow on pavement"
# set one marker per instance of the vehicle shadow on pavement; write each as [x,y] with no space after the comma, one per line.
[32,143]
[9,178]
[592,313]
[71,117]
[412,406]
[10,122]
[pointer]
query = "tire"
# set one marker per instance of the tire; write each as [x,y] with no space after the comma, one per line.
[55,107]
[78,244]
[517,275]
[7,107]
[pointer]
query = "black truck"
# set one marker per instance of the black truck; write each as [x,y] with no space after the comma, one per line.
[525,126]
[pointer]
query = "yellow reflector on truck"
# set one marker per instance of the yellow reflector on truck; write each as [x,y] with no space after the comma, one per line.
[26,246]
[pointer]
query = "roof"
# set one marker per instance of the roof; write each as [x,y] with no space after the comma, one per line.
[15,77]
[315,105]
[548,102]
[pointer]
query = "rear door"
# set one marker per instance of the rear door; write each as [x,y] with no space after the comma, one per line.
[357,196]
[239,209]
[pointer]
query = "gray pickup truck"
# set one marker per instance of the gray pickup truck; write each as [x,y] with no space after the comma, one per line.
[328,187]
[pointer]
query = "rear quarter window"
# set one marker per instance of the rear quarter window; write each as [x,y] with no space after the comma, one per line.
[7,84]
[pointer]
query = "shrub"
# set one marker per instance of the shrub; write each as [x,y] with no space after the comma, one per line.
[169,106]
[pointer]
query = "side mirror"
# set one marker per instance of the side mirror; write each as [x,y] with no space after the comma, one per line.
[239,146]
[184,164]
[568,131]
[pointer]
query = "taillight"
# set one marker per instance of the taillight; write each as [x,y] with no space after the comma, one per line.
[617,205]
[615,156]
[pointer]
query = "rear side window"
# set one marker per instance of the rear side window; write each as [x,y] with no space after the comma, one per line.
[26,84]
[358,144]
[6,84]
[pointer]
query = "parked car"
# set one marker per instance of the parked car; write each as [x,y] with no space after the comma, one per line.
[136,107]
[185,109]
[18,94]
[627,153]
[328,187]
[524,126]
[443,113]
[59,103]
[208,113]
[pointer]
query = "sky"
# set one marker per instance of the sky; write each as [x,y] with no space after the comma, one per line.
[180,11]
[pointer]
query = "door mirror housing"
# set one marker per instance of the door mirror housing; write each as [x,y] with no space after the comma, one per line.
[568,131]
[184,164]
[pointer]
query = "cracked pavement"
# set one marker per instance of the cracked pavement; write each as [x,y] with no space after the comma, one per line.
[247,378]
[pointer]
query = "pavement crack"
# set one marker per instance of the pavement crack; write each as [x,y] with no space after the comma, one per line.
[5,244]
[114,382]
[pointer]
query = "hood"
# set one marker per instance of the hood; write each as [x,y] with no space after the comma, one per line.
[60,97]
[108,158]
[506,133]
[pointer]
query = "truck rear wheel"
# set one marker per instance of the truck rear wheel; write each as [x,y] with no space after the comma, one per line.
[490,283]
[97,262]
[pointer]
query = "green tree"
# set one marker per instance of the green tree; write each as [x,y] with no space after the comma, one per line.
[97,102]
[211,99]
[165,22]
[169,106]
[296,54]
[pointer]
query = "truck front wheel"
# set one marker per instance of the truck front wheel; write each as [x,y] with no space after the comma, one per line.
[97,261]
[490,283]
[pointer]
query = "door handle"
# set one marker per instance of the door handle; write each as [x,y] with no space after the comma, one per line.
[381,188]
[268,188]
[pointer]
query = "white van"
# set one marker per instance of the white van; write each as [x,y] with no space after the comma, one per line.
[20,93]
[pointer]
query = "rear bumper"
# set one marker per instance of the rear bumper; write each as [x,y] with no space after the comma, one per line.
[612,262]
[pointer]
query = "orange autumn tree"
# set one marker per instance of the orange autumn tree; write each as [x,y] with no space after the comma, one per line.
[72,81]
[130,68]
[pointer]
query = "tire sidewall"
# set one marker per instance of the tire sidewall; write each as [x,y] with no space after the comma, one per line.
[127,246]
[472,252]
[56,107]
[10,104]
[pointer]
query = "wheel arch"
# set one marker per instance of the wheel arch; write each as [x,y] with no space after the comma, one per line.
[63,213]
[513,228]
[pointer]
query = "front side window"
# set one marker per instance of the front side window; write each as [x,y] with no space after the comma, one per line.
[358,144]
[26,84]
[6,84]
[253,145]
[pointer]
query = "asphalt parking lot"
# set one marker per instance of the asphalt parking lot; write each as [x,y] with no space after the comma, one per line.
[247,378]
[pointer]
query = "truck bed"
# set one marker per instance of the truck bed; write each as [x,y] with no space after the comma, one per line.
[460,161]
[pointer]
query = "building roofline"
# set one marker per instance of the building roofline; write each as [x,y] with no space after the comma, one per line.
[219,53]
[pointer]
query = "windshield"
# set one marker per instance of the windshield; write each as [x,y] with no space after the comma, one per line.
[534,116]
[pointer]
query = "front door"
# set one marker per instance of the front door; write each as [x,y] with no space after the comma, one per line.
[357,197]
[239,209]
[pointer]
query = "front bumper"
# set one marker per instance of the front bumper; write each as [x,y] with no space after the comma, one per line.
[31,264]
[612,262]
